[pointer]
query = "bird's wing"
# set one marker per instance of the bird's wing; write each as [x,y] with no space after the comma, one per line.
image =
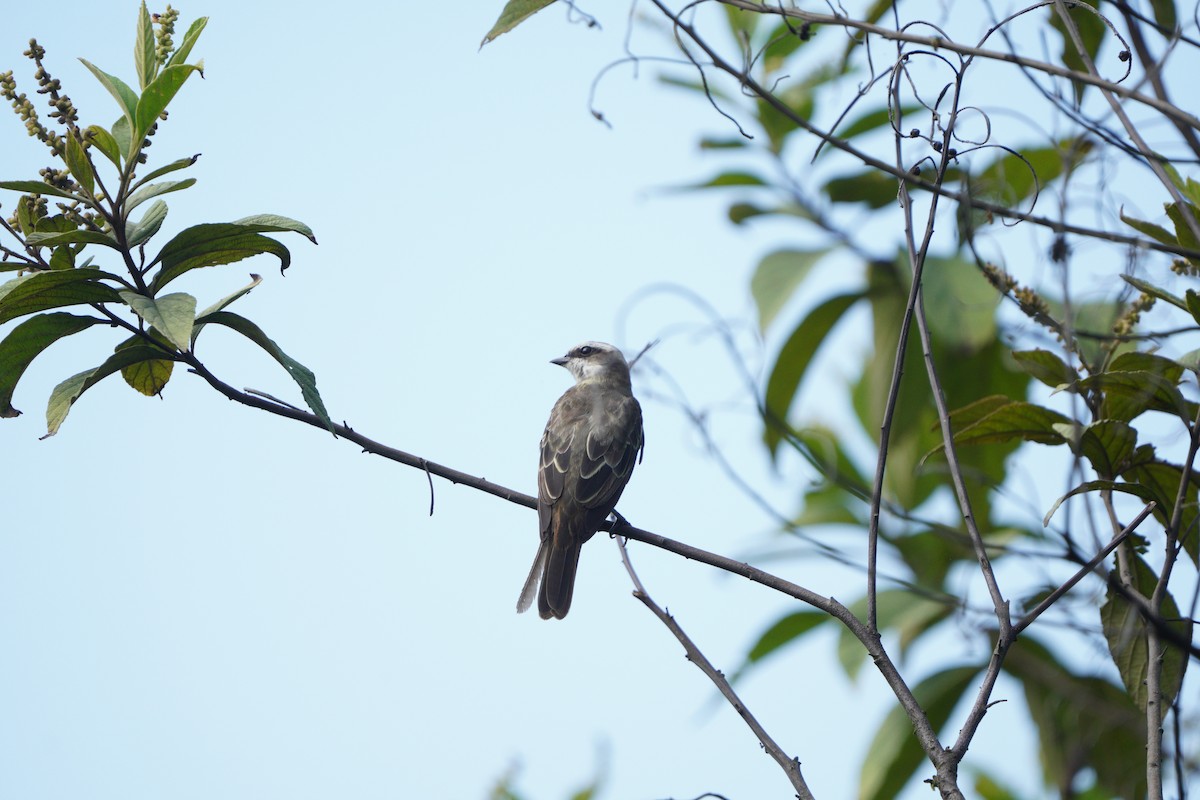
[558,440]
[609,451]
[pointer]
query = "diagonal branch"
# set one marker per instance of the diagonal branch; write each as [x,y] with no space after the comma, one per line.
[791,766]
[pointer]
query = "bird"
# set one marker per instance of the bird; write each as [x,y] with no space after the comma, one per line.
[588,450]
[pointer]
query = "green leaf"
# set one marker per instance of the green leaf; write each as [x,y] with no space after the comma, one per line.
[26,342]
[1013,419]
[1046,367]
[515,12]
[1183,231]
[66,393]
[905,612]
[178,164]
[274,223]
[895,754]
[1192,300]
[1126,632]
[122,131]
[159,94]
[1091,33]
[1154,291]
[727,179]
[37,187]
[201,318]
[126,98]
[876,189]
[62,258]
[1130,393]
[78,164]
[143,48]
[154,190]
[148,377]
[782,632]
[103,141]
[1108,445]
[1159,481]
[138,233]
[52,239]
[793,360]
[1084,723]
[188,42]
[1100,486]
[1164,15]
[301,374]
[173,315]
[209,245]
[1155,232]
[965,303]
[40,291]
[776,278]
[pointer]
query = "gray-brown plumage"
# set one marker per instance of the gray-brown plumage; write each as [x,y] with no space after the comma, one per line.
[588,450]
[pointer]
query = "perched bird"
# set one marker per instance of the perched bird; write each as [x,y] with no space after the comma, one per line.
[588,450]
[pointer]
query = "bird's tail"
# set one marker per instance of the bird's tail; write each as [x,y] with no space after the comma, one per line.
[530,590]
[558,579]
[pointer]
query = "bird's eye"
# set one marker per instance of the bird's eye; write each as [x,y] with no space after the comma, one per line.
[586,350]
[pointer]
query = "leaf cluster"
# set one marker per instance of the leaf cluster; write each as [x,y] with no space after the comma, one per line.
[91,256]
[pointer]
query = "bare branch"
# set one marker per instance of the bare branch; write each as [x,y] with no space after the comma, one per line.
[790,766]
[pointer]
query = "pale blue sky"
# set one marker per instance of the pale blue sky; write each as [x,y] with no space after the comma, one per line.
[199,600]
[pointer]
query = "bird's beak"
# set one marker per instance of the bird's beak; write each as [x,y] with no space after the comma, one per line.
[560,361]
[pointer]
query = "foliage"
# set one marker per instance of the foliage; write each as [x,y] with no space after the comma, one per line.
[943,401]
[89,251]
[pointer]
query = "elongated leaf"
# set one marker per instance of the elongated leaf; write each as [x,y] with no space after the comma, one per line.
[44,290]
[274,223]
[71,237]
[36,187]
[126,98]
[122,131]
[1155,232]
[1014,420]
[173,315]
[66,393]
[1183,230]
[514,13]
[1126,632]
[1083,723]
[1130,393]
[26,342]
[1046,367]
[138,233]
[78,164]
[781,633]
[143,48]
[1159,481]
[154,190]
[188,42]
[776,278]
[726,180]
[209,245]
[178,164]
[103,141]
[1134,489]
[159,94]
[872,187]
[793,360]
[1154,291]
[895,754]
[301,374]
[220,305]
[1108,445]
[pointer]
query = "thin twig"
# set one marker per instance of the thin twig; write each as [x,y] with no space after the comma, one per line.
[790,766]
[1086,569]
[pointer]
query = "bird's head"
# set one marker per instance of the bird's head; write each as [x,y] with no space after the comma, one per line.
[595,361]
